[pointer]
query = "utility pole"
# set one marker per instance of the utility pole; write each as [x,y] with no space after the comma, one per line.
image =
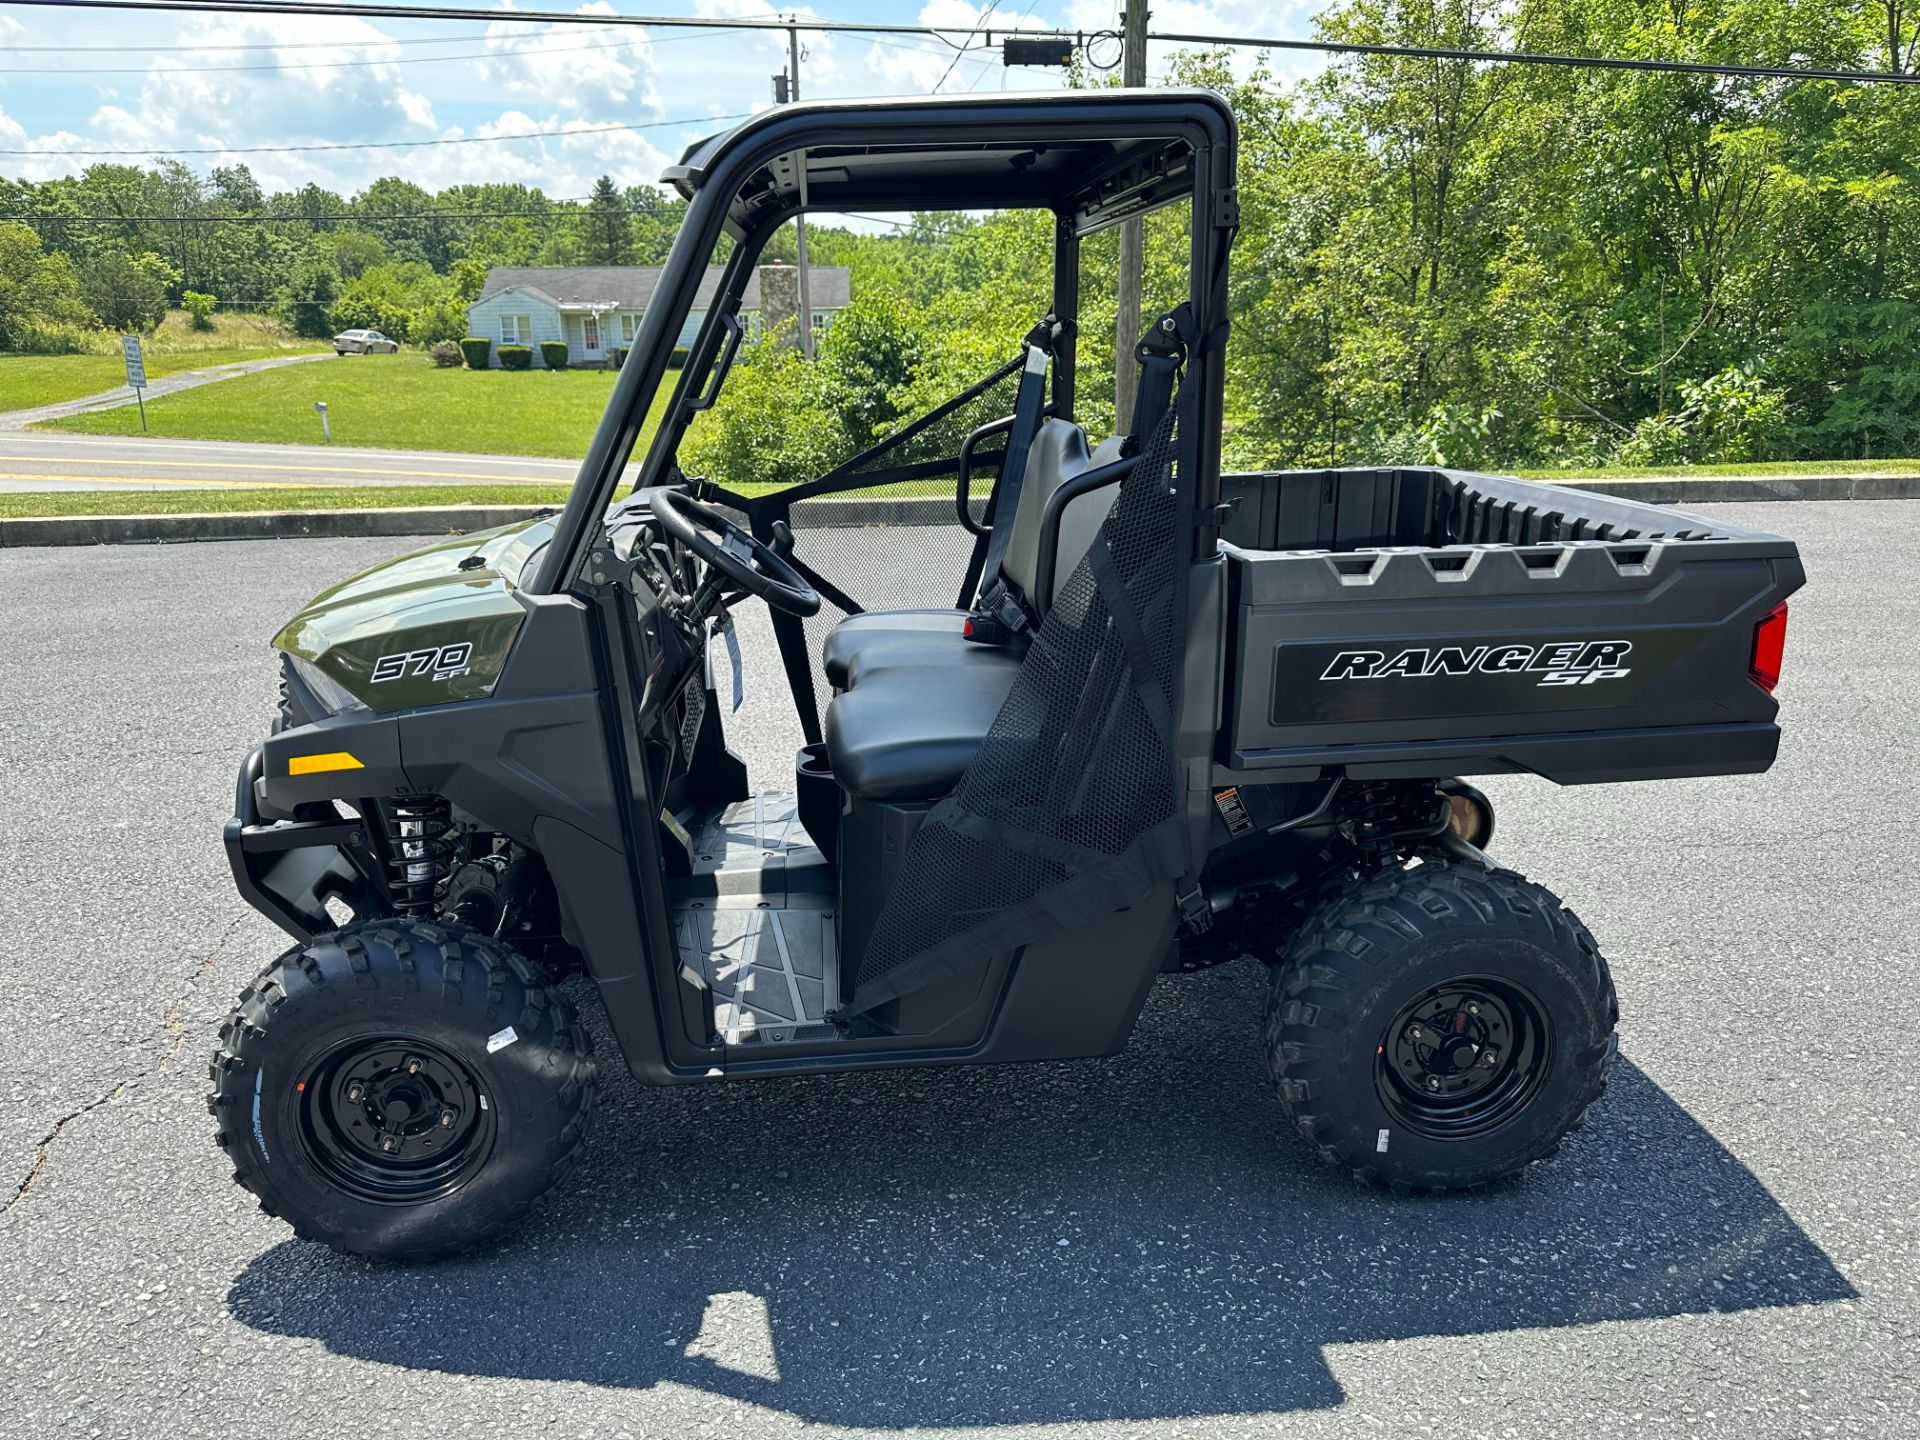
[805,318]
[1133,246]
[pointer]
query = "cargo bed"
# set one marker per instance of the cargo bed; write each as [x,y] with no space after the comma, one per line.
[1426,622]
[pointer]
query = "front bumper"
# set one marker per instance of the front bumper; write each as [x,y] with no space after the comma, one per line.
[289,869]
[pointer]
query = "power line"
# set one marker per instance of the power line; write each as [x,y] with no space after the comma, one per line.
[382,144]
[506,54]
[1518,57]
[358,9]
[461,38]
[369,11]
[985,15]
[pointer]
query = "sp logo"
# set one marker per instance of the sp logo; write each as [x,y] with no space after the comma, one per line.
[438,662]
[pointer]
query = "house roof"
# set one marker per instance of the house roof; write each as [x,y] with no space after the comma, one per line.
[631,287]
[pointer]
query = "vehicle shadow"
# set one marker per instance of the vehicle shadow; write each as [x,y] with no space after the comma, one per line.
[1117,1240]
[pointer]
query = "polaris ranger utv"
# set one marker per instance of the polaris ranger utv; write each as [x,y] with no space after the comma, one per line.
[1114,714]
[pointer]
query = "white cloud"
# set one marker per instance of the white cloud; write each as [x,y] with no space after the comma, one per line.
[601,75]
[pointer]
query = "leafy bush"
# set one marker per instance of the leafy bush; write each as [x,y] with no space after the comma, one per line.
[617,356]
[199,309]
[436,321]
[553,354]
[445,353]
[771,425]
[1733,417]
[474,350]
[516,357]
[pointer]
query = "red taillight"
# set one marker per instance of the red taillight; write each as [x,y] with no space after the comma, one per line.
[1769,644]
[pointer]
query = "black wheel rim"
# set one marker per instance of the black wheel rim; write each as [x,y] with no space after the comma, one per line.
[1464,1058]
[395,1121]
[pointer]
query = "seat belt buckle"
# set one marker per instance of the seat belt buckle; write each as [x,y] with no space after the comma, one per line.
[1196,913]
[998,619]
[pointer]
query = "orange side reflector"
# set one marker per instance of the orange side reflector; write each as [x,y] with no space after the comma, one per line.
[320,764]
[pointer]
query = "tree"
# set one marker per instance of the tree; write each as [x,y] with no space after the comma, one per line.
[357,251]
[235,184]
[310,289]
[36,289]
[126,293]
[607,234]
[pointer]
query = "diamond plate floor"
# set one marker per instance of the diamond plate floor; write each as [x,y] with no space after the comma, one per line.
[754,923]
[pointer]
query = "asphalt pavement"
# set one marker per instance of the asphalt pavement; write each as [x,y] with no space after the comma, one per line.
[1130,1247]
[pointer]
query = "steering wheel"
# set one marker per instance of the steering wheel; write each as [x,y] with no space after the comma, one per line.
[752,565]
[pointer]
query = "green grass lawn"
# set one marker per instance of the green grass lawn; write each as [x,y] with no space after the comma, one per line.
[401,402]
[29,380]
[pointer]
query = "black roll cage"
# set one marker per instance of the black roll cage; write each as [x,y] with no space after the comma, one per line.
[961,152]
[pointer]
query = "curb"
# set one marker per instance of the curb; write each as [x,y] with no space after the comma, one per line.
[822,514]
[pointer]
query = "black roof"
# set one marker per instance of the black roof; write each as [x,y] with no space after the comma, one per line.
[1106,152]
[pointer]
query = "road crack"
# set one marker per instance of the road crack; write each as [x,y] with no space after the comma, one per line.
[175,1028]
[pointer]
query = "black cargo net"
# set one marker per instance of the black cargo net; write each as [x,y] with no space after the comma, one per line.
[1070,810]
[910,551]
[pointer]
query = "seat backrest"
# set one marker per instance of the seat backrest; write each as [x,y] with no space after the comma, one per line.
[1059,453]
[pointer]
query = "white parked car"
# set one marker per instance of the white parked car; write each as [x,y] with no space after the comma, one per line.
[364,342]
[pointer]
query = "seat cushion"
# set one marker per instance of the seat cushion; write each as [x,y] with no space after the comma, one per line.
[917,639]
[906,733]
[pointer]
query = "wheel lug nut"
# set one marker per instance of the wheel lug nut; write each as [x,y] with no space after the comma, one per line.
[1414,1033]
[413,1066]
[1473,1009]
[390,1143]
[1433,1082]
[356,1092]
[446,1119]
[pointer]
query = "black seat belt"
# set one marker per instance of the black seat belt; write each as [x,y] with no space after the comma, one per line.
[1161,352]
[998,614]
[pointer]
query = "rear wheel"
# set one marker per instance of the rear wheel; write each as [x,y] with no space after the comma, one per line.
[401,1089]
[1439,1027]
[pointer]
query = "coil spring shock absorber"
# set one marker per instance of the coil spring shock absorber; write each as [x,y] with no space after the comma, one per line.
[420,852]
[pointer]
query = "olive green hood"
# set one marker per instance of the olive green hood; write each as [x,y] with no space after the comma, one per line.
[425,628]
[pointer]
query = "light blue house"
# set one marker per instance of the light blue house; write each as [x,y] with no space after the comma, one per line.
[597,308]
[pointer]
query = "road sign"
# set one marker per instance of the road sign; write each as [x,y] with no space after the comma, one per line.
[136,374]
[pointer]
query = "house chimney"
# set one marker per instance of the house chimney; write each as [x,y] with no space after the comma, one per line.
[780,302]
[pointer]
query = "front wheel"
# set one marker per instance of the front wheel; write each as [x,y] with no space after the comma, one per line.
[1439,1027]
[401,1089]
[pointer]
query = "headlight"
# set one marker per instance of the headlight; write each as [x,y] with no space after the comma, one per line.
[332,696]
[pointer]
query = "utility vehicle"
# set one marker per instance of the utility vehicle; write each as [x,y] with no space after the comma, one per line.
[1073,712]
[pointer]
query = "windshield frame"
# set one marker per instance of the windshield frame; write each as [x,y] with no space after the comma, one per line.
[1200,120]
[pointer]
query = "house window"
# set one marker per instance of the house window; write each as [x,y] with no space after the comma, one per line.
[590,332]
[626,327]
[822,320]
[516,329]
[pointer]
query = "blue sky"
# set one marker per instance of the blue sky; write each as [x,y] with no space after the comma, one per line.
[78,81]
